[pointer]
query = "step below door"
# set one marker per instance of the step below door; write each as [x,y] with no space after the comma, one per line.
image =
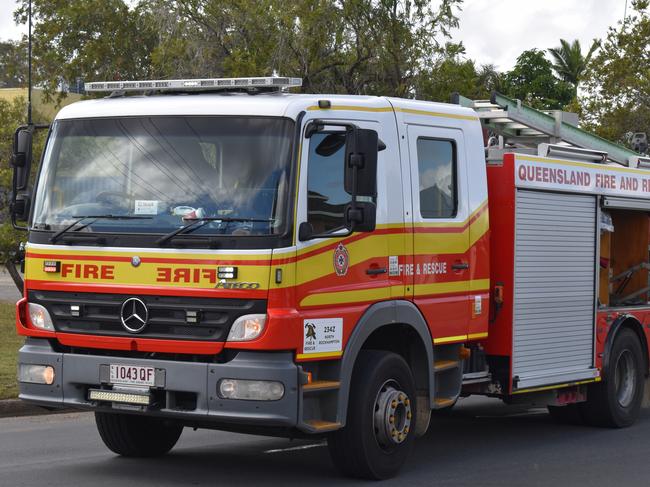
[555,256]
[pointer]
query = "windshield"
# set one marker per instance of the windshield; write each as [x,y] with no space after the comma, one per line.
[167,170]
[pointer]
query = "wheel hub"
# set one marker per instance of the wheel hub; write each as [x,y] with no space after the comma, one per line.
[625,379]
[392,419]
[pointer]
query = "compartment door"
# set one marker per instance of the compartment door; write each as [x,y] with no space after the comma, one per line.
[555,276]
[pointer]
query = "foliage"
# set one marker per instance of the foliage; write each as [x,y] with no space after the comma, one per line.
[532,81]
[353,46]
[454,75]
[93,39]
[13,64]
[9,346]
[12,115]
[569,63]
[617,85]
[45,111]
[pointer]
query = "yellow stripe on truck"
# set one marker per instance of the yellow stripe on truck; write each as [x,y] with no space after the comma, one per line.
[452,287]
[349,296]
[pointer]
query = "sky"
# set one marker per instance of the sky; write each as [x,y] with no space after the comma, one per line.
[493,31]
[497,31]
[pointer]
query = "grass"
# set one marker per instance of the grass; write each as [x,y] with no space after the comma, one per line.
[9,344]
[48,110]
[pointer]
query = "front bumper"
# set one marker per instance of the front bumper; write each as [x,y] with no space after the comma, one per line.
[75,374]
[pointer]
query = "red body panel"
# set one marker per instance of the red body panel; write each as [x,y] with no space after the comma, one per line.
[501,193]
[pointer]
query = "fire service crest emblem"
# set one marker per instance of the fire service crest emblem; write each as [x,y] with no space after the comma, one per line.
[341,260]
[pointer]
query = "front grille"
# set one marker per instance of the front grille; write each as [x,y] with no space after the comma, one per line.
[99,314]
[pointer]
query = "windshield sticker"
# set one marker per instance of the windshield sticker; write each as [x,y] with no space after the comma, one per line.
[146,207]
[322,335]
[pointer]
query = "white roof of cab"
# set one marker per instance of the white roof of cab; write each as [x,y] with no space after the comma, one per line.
[271,104]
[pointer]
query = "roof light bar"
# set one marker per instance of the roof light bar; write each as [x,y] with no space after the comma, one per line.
[194,84]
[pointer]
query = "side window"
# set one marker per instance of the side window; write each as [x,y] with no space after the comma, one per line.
[326,196]
[437,178]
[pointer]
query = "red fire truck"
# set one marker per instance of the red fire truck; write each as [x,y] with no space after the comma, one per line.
[220,253]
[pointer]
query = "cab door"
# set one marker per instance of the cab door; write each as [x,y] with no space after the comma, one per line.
[441,273]
[338,277]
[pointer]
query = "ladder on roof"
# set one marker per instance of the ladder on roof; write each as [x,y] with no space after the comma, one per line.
[525,127]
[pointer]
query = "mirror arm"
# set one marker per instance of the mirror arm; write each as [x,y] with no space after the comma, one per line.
[16,226]
[18,257]
[317,125]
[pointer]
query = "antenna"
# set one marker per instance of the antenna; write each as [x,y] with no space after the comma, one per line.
[29,69]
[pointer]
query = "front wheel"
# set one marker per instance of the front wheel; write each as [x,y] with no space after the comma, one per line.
[137,436]
[615,402]
[379,432]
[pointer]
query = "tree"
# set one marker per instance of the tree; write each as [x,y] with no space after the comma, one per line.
[617,84]
[453,73]
[490,79]
[93,39]
[351,46]
[13,64]
[12,115]
[532,80]
[569,63]
[340,46]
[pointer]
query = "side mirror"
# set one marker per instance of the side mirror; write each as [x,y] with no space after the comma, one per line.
[21,159]
[20,207]
[305,231]
[361,162]
[362,216]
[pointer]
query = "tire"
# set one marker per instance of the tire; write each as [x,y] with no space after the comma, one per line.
[382,388]
[137,436]
[569,414]
[616,400]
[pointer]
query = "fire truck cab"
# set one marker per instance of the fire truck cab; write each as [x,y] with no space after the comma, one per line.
[224,254]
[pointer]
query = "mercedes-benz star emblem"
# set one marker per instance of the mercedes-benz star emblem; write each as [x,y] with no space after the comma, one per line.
[134,315]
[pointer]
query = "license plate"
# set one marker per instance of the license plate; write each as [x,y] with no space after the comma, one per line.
[133,375]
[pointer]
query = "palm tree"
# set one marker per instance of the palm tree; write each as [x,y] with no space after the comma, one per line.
[569,63]
[489,79]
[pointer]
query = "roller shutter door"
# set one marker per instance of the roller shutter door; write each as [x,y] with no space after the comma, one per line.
[555,249]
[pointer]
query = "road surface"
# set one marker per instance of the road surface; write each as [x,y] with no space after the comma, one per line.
[480,443]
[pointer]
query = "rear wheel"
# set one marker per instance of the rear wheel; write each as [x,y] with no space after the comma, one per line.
[615,402]
[137,436]
[379,432]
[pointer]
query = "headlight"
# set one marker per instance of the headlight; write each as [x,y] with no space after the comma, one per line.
[246,328]
[39,317]
[36,374]
[251,390]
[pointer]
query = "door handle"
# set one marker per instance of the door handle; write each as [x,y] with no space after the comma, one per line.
[460,266]
[375,271]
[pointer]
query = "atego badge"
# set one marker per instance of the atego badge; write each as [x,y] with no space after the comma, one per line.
[341,260]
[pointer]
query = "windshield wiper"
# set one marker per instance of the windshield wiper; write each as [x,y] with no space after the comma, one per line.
[196,223]
[79,219]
